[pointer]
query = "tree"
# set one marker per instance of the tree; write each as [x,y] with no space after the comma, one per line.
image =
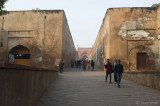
[36,9]
[155,5]
[2,2]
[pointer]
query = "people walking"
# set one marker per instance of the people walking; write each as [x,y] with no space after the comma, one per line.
[89,65]
[61,65]
[119,71]
[84,65]
[114,70]
[72,63]
[108,67]
[79,63]
[92,65]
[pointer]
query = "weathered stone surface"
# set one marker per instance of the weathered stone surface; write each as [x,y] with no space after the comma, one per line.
[24,86]
[124,33]
[147,79]
[44,32]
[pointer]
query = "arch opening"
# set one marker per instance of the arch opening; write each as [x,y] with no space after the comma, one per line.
[85,58]
[19,55]
[141,58]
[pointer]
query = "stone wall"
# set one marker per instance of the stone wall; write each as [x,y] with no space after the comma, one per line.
[134,32]
[68,47]
[41,32]
[100,51]
[23,86]
[124,33]
[149,79]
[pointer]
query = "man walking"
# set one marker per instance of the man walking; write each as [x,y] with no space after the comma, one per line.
[119,71]
[92,65]
[84,65]
[114,70]
[61,65]
[108,67]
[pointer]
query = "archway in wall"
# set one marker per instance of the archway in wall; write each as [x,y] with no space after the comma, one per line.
[141,58]
[19,55]
[84,58]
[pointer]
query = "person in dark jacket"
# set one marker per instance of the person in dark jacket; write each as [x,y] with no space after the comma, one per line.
[114,70]
[61,65]
[92,65]
[119,71]
[84,65]
[108,67]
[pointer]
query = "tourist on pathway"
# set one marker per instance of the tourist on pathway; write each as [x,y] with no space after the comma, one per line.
[79,63]
[61,65]
[92,65]
[108,67]
[84,65]
[72,63]
[114,70]
[75,63]
[89,65]
[119,71]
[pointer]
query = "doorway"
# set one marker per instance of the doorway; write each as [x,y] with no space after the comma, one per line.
[141,61]
[19,55]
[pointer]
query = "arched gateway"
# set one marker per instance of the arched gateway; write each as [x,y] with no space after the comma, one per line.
[84,53]
[19,55]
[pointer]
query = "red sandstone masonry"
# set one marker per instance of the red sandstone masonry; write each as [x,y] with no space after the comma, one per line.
[23,85]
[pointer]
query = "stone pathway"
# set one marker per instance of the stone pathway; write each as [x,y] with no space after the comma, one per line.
[88,88]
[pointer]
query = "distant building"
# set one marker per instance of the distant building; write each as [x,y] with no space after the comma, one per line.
[131,35]
[84,53]
[35,38]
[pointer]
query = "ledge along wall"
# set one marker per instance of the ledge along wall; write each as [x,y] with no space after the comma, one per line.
[24,85]
[149,79]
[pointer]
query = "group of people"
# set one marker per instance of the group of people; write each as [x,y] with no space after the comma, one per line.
[76,63]
[84,63]
[88,64]
[116,68]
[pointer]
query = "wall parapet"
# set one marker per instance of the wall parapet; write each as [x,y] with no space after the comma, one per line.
[142,72]
[149,79]
[20,67]
[23,85]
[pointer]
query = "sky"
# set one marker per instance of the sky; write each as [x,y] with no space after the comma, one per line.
[84,16]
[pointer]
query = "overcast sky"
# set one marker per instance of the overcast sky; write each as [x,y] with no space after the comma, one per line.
[84,16]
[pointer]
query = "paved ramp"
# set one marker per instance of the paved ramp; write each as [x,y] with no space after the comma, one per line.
[88,88]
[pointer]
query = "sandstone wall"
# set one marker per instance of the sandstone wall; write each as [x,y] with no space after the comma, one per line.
[130,28]
[148,79]
[126,32]
[68,47]
[24,86]
[41,32]
[100,50]
[157,48]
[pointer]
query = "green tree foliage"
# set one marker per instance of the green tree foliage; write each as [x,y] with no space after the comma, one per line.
[2,2]
[155,5]
[36,9]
